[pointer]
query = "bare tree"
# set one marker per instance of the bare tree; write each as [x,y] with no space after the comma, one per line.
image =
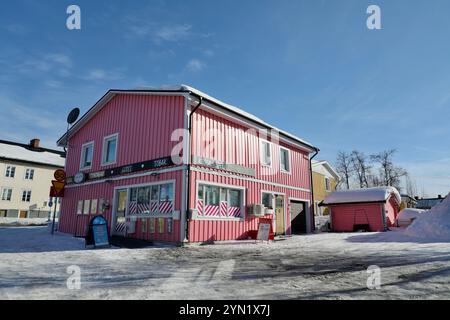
[361,168]
[411,186]
[344,167]
[390,174]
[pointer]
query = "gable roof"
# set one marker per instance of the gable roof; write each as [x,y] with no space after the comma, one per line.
[14,151]
[379,194]
[316,164]
[180,89]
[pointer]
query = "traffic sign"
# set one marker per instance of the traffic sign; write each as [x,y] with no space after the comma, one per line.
[60,175]
[58,186]
[50,204]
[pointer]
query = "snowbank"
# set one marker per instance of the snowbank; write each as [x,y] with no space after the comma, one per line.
[23,222]
[434,224]
[362,195]
[408,215]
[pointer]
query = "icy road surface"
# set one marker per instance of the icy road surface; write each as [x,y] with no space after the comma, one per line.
[33,265]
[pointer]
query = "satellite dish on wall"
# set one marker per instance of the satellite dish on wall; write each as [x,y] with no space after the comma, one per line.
[73,115]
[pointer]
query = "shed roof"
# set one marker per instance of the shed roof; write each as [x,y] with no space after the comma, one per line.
[21,152]
[379,194]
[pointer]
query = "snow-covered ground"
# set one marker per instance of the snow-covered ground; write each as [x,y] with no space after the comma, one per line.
[33,265]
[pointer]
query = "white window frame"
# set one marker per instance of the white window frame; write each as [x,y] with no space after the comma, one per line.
[83,148]
[225,186]
[27,191]
[3,190]
[288,160]
[27,174]
[6,171]
[327,185]
[262,155]
[106,139]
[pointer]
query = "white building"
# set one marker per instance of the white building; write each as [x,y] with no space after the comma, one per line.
[26,172]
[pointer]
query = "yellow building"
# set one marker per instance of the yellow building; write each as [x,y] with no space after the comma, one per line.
[325,181]
[26,174]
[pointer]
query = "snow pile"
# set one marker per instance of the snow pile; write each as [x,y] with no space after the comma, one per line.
[408,215]
[433,224]
[378,194]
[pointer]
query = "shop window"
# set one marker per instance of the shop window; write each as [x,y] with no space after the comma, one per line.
[219,202]
[156,199]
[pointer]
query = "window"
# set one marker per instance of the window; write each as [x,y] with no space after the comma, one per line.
[157,199]
[80,207]
[6,194]
[327,184]
[87,154]
[161,225]
[220,202]
[109,152]
[10,172]
[29,174]
[26,196]
[266,153]
[267,200]
[285,161]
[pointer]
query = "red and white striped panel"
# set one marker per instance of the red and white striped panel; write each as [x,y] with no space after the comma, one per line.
[154,207]
[165,207]
[200,207]
[120,227]
[133,207]
[223,209]
[211,211]
[234,212]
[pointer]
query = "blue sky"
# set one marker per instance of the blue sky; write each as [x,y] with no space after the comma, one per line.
[310,67]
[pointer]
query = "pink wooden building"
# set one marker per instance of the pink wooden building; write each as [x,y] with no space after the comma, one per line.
[372,209]
[178,165]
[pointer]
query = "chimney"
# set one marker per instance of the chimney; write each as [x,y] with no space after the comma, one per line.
[416,197]
[440,196]
[34,143]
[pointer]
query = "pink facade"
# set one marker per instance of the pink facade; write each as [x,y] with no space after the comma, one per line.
[210,194]
[379,216]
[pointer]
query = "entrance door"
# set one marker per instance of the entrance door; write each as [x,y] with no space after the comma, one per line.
[23,214]
[298,217]
[120,212]
[279,214]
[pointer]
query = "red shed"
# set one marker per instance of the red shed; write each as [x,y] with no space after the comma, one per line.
[371,209]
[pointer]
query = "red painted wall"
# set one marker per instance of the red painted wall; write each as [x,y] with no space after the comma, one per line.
[345,216]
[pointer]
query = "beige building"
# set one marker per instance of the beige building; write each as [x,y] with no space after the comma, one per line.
[26,172]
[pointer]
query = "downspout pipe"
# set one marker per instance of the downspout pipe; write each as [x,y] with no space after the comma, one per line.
[200,101]
[313,205]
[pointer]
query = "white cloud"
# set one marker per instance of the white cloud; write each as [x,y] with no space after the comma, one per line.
[102,75]
[195,65]
[174,32]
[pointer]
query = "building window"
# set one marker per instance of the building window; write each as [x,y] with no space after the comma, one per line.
[109,152]
[26,196]
[155,199]
[10,172]
[266,153]
[267,200]
[29,174]
[87,154]
[220,202]
[285,161]
[6,194]
[327,184]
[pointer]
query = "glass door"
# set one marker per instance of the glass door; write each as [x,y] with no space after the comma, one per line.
[279,214]
[120,212]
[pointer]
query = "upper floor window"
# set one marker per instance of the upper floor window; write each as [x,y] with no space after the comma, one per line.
[29,174]
[6,194]
[327,184]
[109,152]
[285,161]
[266,153]
[10,172]
[87,154]
[26,196]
